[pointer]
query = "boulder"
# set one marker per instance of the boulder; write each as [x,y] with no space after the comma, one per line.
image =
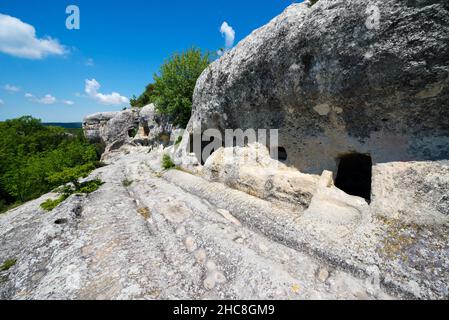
[341,77]
[252,170]
[95,125]
[136,126]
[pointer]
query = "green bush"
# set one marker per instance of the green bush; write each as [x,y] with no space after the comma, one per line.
[172,91]
[167,162]
[312,2]
[49,205]
[66,191]
[89,186]
[178,141]
[126,183]
[8,264]
[144,99]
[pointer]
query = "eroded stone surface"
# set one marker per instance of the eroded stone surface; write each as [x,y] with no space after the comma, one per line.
[335,83]
[186,248]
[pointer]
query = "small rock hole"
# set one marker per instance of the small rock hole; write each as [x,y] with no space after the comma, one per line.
[61,221]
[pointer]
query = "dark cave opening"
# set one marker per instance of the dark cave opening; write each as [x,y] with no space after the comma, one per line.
[282,154]
[354,175]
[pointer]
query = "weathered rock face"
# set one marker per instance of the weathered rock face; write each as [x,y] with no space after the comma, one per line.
[112,129]
[341,77]
[155,128]
[253,171]
[413,192]
[136,126]
[95,126]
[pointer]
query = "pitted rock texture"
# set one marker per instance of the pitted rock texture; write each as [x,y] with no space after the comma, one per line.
[172,235]
[111,129]
[414,192]
[145,127]
[156,240]
[342,76]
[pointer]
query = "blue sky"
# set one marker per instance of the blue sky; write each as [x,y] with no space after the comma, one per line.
[120,44]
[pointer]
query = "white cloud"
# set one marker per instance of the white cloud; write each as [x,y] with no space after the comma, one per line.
[1,101]
[90,62]
[92,87]
[228,32]
[69,102]
[11,88]
[19,39]
[47,99]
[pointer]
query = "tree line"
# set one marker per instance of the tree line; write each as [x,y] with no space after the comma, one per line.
[35,159]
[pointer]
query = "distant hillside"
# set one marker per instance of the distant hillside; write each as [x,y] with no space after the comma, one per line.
[67,125]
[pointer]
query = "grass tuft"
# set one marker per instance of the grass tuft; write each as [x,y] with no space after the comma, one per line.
[167,162]
[8,264]
[126,183]
[84,188]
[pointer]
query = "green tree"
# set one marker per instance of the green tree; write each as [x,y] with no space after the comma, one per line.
[144,99]
[33,155]
[71,175]
[173,87]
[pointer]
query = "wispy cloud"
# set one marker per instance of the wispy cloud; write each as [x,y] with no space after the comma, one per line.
[229,34]
[11,88]
[19,39]
[90,62]
[2,102]
[47,99]
[114,98]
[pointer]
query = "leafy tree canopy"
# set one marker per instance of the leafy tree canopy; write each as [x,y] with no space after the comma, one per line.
[172,90]
[34,159]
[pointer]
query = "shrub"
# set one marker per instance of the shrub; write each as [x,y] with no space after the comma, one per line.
[85,187]
[173,87]
[89,186]
[8,264]
[312,2]
[178,141]
[144,99]
[126,183]
[50,204]
[167,162]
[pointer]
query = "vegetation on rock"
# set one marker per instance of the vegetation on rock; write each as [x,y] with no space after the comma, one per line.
[8,264]
[126,183]
[50,204]
[66,191]
[167,162]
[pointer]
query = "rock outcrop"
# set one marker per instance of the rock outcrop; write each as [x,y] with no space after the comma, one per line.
[135,126]
[344,76]
[160,239]
[350,85]
[253,171]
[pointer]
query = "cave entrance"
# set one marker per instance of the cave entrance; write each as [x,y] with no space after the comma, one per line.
[282,154]
[354,175]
